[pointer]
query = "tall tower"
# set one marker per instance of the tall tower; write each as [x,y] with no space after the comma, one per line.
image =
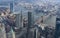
[57,28]
[29,24]
[11,7]
[18,20]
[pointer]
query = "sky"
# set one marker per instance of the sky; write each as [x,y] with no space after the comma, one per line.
[34,1]
[6,0]
[40,1]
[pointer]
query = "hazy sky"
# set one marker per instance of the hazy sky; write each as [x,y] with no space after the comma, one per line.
[35,1]
[31,0]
